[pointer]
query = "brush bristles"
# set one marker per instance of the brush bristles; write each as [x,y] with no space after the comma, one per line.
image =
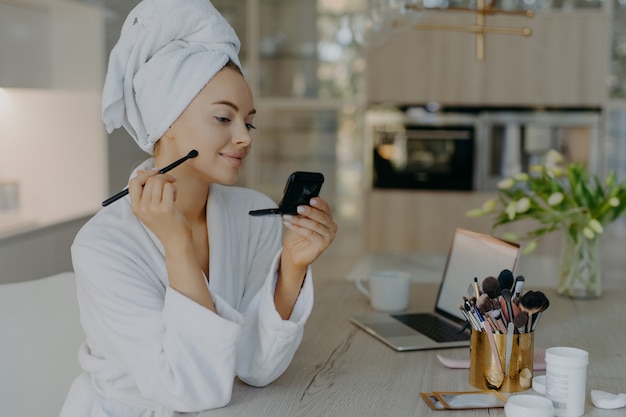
[533,301]
[505,279]
[484,304]
[491,287]
[520,320]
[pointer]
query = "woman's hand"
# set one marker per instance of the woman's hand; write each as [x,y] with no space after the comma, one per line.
[153,198]
[309,234]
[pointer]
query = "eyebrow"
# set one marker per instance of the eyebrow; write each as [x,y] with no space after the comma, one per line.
[234,106]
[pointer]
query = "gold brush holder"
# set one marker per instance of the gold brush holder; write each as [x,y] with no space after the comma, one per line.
[484,371]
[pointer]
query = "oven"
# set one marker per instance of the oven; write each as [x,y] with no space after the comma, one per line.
[429,157]
[473,150]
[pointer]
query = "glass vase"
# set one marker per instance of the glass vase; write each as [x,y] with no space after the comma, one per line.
[579,268]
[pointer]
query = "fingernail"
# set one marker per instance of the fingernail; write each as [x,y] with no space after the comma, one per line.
[301,209]
[314,201]
[287,217]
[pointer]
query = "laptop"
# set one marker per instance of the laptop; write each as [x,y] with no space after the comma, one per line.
[471,255]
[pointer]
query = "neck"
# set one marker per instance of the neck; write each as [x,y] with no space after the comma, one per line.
[191,199]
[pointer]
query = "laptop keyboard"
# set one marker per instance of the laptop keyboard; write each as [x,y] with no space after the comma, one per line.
[432,326]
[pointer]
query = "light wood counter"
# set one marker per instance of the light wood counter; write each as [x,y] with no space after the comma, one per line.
[340,370]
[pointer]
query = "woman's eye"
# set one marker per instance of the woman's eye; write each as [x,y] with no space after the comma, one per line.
[223,119]
[250,126]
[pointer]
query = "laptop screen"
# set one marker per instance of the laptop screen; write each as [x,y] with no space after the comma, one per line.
[472,255]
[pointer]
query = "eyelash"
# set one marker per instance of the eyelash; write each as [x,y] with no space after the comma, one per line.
[249,126]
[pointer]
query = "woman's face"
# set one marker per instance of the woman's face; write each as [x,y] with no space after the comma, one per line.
[217,124]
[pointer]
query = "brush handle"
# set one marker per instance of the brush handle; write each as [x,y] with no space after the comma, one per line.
[509,345]
[509,308]
[476,288]
[535,320]
[492,342]
[170,167]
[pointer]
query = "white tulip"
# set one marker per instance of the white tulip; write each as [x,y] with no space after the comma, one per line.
[522,205]
[506,183]
[555,199]
[596,226]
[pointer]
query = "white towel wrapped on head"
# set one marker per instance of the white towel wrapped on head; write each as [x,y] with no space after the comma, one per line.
[168,50]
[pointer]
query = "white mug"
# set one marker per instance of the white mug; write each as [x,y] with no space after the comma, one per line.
[387,290]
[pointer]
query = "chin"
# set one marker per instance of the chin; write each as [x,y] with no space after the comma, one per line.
[228,179]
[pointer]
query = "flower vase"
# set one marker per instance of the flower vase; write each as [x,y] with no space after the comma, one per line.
[580,275]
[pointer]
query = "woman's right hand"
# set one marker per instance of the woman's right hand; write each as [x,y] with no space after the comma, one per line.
[153,198]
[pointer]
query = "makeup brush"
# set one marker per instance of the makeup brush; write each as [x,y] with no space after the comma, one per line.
[491,287]
[472,317]
[492,343]
[476,288]
[520,322]
[496,313]
[505,279]
[518,287]
[537,315]
[509,346]
[506,296]
[171,166]
[484,303]
[485,307]
[532,301]
[467,323]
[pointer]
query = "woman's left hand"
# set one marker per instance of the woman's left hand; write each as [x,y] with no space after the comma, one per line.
[308,234]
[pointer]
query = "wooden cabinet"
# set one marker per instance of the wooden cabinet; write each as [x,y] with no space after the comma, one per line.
[51,44]
[425,221]
[560,64]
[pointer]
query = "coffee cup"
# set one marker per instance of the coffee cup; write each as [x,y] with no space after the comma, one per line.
[387,290]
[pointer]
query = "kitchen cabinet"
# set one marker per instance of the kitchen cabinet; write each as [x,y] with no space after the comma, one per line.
[425,221]
[51,44]
[560,64]
[39,250]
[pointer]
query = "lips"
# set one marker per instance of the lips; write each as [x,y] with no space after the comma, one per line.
[235,158]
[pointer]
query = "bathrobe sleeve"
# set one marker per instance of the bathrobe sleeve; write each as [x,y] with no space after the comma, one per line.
[275,341]
[146,340]
[267,343]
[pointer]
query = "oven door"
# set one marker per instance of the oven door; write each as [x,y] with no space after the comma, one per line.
[425,157]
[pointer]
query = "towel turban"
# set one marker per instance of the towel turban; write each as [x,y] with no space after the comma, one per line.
[167,51]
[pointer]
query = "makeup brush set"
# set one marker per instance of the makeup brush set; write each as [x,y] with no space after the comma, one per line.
[502,306]
[503,318]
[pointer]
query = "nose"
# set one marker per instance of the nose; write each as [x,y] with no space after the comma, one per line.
[243,136]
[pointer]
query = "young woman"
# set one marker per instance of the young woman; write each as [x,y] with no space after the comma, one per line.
[180,290]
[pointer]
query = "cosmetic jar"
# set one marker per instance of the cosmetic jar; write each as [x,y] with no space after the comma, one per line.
[528,406]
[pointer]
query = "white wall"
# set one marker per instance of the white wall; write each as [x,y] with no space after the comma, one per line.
[52,139]
[54,144]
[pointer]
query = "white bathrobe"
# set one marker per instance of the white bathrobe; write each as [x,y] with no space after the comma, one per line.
[149,349]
